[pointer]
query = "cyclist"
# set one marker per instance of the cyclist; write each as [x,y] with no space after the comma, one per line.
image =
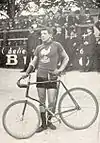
[48,55]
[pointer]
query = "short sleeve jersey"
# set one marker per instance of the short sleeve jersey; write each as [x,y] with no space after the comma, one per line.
[49,56]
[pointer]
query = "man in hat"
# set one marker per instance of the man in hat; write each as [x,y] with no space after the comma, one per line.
[33,41]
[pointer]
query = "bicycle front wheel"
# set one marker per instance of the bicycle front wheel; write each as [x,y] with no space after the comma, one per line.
[79,118]
[18,125]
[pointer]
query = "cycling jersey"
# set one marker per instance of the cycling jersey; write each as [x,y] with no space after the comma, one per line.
[49,56]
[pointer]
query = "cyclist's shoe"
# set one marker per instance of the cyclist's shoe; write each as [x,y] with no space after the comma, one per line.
[51,126]
[41,128]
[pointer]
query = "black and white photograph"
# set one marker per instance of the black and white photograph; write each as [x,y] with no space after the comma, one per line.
[50,71]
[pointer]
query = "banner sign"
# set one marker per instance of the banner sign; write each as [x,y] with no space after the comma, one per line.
[15,56]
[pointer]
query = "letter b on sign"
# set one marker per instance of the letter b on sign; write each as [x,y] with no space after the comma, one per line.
[12,60]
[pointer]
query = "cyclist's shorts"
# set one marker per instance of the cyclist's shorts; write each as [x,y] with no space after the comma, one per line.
[45,85]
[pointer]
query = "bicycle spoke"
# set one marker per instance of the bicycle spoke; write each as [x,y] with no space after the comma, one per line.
[87,112]
[18,125]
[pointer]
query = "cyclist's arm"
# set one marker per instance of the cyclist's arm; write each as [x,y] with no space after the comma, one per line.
[65,60]
[32,65]
[63,64]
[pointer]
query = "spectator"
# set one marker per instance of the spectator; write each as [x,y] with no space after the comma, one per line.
[71,47]
[4,45]
[78,21]
[60,35]
[71,23]
[40,21]
[89,42]
[33,41]
[50,19]
[88,17]
[60,20]
[77,17]
[97,24]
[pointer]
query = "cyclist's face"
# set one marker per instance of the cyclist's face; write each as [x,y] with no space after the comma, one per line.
[45,36]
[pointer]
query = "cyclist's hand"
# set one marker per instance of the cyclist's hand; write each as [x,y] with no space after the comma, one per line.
[25,76]
[57,72]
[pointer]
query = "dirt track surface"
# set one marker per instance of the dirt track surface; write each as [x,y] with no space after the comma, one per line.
[9,92]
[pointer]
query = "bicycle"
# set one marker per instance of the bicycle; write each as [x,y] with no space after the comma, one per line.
[74,106]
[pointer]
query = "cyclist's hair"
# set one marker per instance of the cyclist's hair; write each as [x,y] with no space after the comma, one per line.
[49,29]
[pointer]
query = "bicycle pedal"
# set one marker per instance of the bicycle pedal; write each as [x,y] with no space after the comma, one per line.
[55,120]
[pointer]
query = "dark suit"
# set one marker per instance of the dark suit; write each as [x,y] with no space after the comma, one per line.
[73,46]
[60,37]
[89,50]
[97,24]
[33,41]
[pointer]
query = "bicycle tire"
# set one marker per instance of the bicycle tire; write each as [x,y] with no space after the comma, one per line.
[13,123]
[79,117]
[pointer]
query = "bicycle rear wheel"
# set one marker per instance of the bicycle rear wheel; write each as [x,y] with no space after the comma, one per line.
[18,126]
[80,118]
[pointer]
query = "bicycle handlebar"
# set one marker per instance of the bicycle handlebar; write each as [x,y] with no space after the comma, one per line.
[20,85]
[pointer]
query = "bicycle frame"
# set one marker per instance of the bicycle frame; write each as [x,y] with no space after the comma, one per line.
[77,107]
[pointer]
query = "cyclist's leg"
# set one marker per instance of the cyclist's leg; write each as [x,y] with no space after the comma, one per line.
[42,98]
[52,95]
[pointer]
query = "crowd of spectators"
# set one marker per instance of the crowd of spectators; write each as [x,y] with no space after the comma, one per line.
[73,30]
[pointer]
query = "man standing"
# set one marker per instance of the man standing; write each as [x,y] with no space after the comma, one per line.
[33,41]
[48,55]
[89,44]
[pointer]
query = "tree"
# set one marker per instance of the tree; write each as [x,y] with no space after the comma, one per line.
[85,3]
[13,7]
[80,3]
[9,7]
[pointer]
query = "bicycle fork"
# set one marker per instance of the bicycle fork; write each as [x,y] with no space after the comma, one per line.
[23,112]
